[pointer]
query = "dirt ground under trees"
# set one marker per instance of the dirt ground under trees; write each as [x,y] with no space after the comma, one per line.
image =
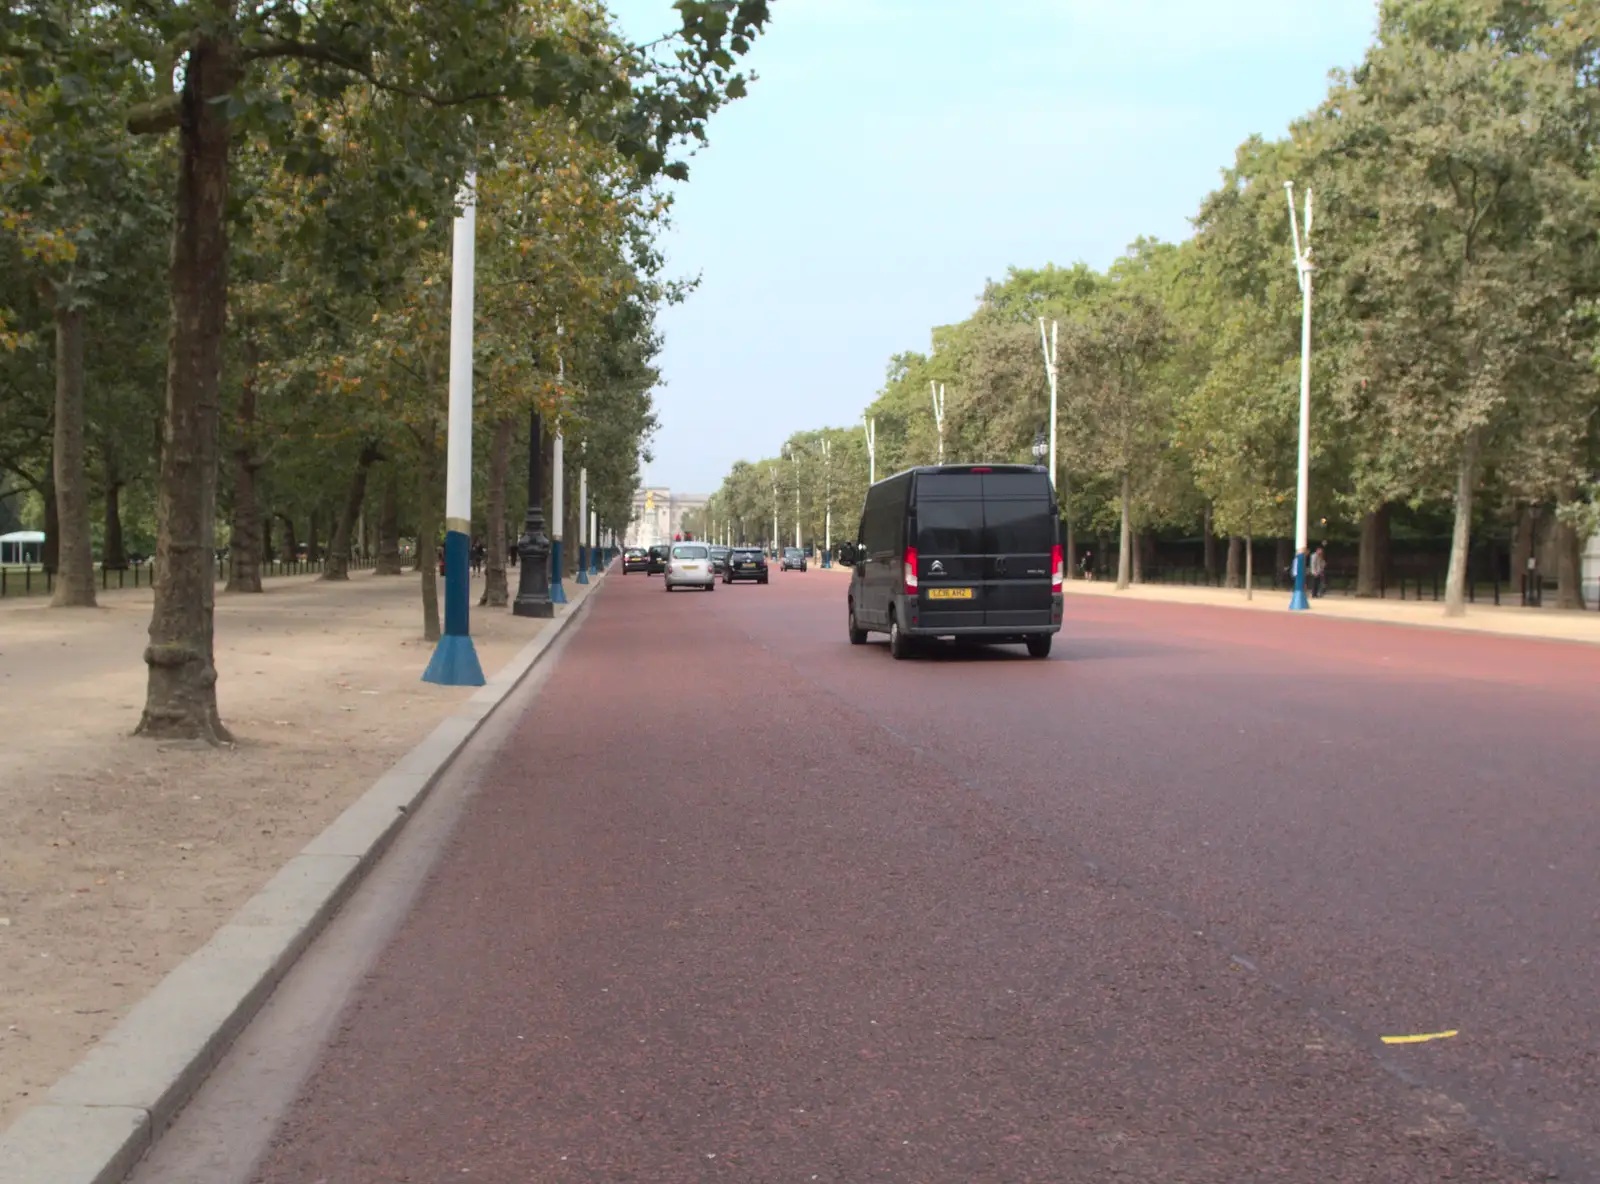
[120,856]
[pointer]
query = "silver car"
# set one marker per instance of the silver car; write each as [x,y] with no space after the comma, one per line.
[689,566]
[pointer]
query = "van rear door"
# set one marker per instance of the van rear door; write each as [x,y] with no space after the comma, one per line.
[951,559]
[1018,543]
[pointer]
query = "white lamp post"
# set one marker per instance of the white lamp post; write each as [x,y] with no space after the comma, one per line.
[584,541]
[1303,269]
[1050,355]
[773,471]
[794,455]
[455,660]
[827,503]
[558,514]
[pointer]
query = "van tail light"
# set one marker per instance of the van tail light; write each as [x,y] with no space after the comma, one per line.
[1058,568]
[910,576]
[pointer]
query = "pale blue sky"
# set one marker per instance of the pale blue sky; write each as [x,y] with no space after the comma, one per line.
[896,154]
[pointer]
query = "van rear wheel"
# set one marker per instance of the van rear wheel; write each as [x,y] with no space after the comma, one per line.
[858,635]
[899,643]
[1039,645]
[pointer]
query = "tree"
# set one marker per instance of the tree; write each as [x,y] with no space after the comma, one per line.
[82,208]
[1471,125]
[1111,356]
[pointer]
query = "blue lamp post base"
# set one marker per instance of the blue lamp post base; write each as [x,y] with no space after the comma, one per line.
[558,594]
[1298,602]
[454,663]
[583,564]
[455,659]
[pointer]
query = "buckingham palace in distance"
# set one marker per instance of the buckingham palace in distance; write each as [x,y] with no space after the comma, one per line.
[658,514]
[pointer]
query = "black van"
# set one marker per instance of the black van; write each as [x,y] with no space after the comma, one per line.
[968,551]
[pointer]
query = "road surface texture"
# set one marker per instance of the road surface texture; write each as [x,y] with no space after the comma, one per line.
[736,901]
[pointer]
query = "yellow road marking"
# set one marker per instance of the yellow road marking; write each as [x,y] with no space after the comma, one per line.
[1420,1039]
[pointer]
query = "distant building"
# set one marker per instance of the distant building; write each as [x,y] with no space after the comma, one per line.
[22,546]
[658,514]
[1591,571]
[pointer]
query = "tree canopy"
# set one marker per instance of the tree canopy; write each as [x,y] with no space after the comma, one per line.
[226,230]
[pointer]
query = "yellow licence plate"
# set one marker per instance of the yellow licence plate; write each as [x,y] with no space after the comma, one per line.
[949,593]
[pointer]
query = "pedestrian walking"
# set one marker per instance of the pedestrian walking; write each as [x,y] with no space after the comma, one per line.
[1319,571]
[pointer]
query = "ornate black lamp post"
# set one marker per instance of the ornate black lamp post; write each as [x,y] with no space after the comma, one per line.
[533,548]
[1041,447]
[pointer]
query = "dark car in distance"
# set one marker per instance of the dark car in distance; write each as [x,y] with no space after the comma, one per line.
[635,559]
[746,563]
[658,560]
[719,559]
[794,559]
[962,551]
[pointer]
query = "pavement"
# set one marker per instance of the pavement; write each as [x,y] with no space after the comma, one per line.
[103,1114]
[1506,619]
[1509,620]
[725,898]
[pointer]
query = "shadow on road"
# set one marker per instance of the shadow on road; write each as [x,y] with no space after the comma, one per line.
[1106,649]
[1074,650]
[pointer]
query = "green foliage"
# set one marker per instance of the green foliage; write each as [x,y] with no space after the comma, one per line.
[350,126]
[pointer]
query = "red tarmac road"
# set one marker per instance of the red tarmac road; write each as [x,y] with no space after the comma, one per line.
[740,902]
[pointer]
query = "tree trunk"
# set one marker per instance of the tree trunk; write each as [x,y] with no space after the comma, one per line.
[291,545]
[1523,544]
[244,547]
[1125,547]
[339,546]
[114,554]
[1374,554]
[1071,556]
[181,699]
[1455,584]
[1138,557]
[1249,567]
[1569,565]
[418,563]
[495,592]
[428,547]
[75,553]
[313,551]
[1383,548]
[50,552]
[389,525]
[266,538]
[1234,576]
[1210,544]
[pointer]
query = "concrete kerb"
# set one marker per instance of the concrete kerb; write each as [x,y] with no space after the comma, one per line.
[98,1120]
